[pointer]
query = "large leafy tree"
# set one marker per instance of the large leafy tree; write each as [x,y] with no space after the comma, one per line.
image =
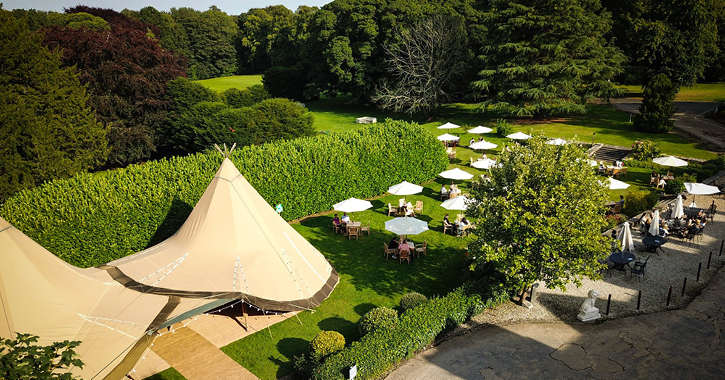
[424,63]
[22,359]
[678,38]
[47,131]
[126,72]
[539,218]
[656,108]
[545,57]
[210,35]
[172,35]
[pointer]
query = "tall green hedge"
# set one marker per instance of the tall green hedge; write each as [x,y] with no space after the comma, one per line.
[92,219]
[379,351]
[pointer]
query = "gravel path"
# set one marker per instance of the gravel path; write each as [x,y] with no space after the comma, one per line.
[679,260]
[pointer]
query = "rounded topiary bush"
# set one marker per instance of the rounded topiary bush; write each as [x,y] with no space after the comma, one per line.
[412,300]
[326,343]
[380,317]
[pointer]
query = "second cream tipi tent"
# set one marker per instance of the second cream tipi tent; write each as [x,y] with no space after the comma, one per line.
[234,246]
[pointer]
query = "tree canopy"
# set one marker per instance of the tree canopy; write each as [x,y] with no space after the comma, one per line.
[545,57]
[540,217]
[47,131]
[126,73]
[22,359]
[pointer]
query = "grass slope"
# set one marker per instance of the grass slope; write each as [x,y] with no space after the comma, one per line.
[700,92]
[236,81]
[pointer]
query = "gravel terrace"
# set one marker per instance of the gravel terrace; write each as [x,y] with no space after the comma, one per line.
[679,260]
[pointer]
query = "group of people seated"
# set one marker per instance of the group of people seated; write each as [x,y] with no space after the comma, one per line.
[400,244]
[458,227]
[341,223]
[473,140]
[452,193]
[690,226]
[405,208]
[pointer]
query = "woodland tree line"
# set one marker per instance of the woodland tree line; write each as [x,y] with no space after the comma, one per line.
[92,87]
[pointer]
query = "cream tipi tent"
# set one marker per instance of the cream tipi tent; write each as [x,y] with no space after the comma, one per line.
[45,296]
[234,246]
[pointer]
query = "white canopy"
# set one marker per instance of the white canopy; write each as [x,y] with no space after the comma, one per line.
[480,129]
[654,228]
[615,184]
[406,226]
[352,205]
[457,203]
[669,161]
[485,163]
[480,145]
[448,137]
[457,174]
[449,126]
[625,237]
[679,211]
[557,141]
[701,189]
[519,136]
[405,188]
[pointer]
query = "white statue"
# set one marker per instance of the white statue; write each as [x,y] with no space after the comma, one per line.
[588,312]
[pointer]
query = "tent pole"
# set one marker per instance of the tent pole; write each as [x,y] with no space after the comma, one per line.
[244,314]
[298,319]
[268,329]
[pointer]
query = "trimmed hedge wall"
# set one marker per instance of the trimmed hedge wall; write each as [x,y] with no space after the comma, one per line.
[92,219]
[379,351]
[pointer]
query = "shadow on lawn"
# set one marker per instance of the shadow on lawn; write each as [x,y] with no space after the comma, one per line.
[289,347]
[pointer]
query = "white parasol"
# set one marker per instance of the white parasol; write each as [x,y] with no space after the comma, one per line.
[456,174]
[678,212]
[352,205]
[405,188]
[448,137]
[625,237]
[484,163]
[480,145]
[615,184]
[449,126]
[406,226]
[557,141]
[480,129]
[457,203]
[654,228]
[669,161]
[700,189]
[519,136]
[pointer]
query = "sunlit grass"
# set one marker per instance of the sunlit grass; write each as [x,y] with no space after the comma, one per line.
[700,92]
[236,81]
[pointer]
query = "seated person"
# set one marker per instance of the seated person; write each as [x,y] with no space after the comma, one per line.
[409,209]
[345,218]
[472,141]
[621,200]
[393,243]
[404,247]
[443,190]
[336,220]
[664,230]
[462,225]
[693,229]
[480,139]
[601,166]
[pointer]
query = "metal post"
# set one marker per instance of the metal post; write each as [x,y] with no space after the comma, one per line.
[709,258]
[609,301]
[669,296]
[639,299]
[684,286]
[721,244]
[699,267]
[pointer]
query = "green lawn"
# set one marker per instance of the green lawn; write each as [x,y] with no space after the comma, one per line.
[236,81]
[367,280]
[701,92]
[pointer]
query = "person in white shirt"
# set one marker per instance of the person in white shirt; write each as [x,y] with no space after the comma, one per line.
[345,218]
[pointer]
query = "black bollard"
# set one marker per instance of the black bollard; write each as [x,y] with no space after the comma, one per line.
[699,267]
[721,244]
[669,296]
[609,301]
[639,299]
[709,258]
[684,285]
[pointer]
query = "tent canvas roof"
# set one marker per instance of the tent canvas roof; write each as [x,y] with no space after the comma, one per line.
[45,296]
[234,245]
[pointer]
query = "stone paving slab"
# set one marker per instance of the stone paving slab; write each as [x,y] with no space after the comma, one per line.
[676,344]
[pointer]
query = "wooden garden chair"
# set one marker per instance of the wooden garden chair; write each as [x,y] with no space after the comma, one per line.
[418,207]
[353,232]
[388,251]
[365,228]
[422,249]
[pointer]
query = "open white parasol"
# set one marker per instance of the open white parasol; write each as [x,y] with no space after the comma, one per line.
[448,137]
[481,145]
[480,129]
[700,189]
[449,126]
[615,184]
[484,163]
[457,203]
[456,174]
[669,161]
[352,205]
[557,141]
[406,226]
[519,136]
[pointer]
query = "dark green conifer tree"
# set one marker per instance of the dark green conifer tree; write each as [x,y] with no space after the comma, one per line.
[656,109]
